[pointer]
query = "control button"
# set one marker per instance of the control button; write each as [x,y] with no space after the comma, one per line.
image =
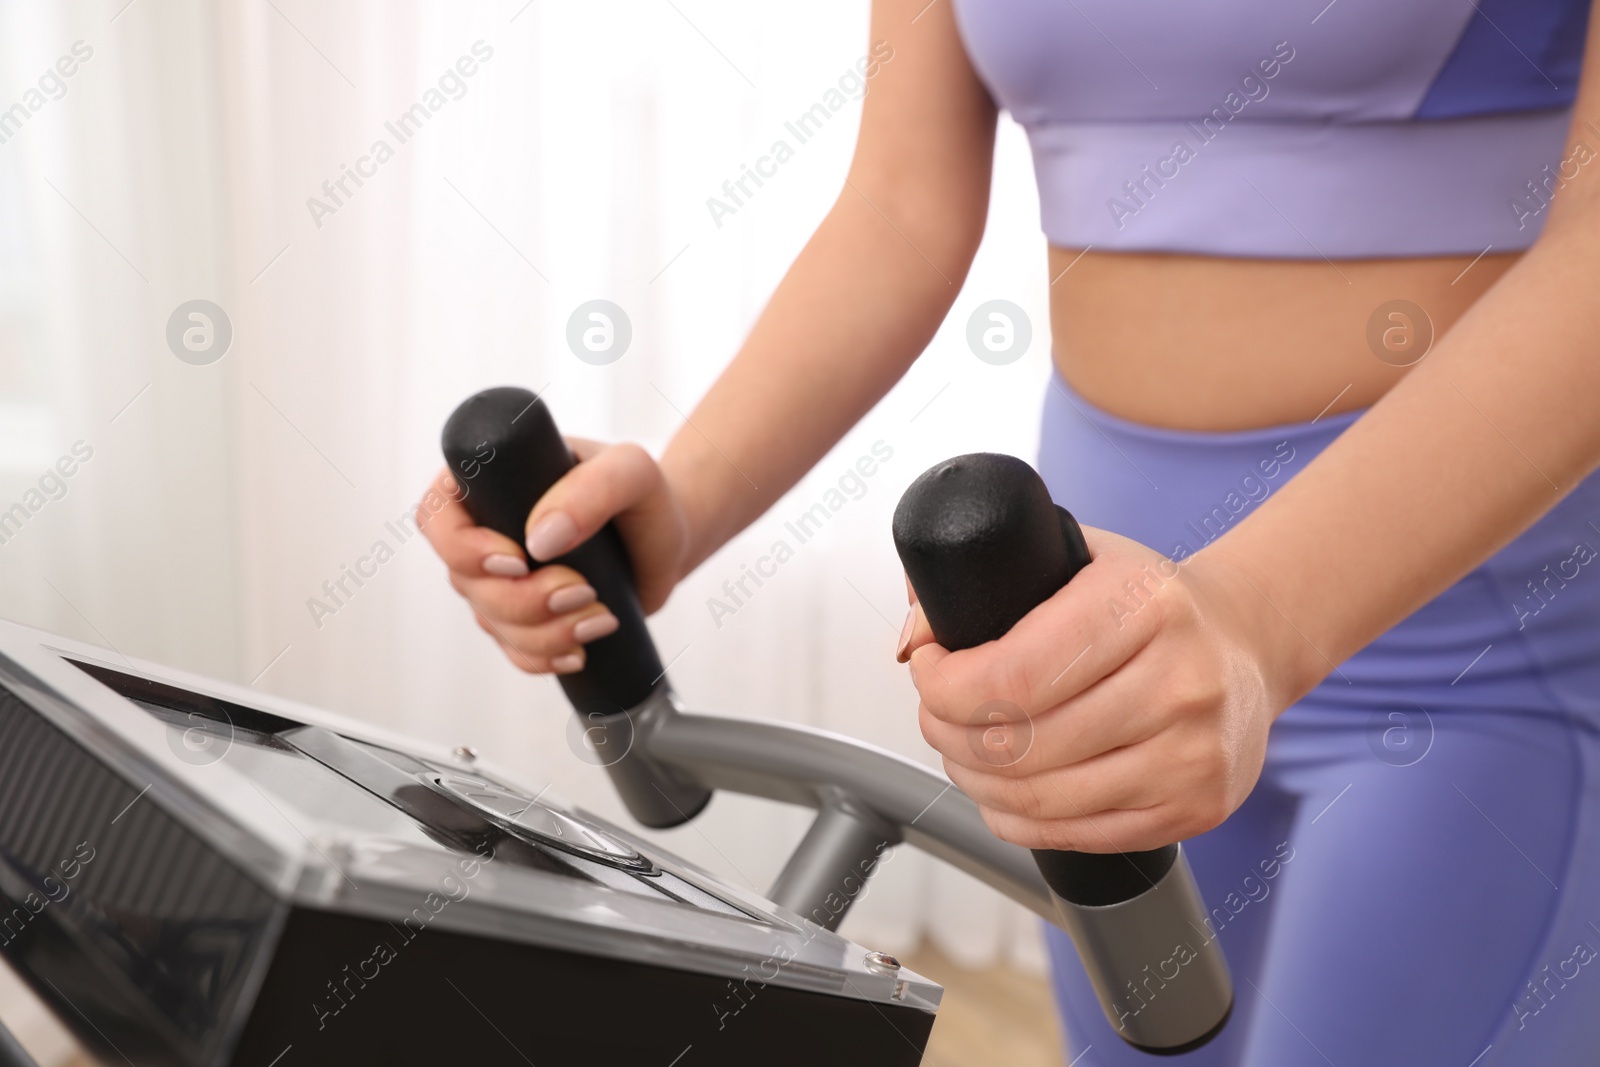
[523,815]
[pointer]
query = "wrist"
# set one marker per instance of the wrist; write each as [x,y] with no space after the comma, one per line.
[1285,653]
[695,516]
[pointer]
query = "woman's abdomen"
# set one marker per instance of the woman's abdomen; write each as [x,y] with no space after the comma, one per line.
[1204,343]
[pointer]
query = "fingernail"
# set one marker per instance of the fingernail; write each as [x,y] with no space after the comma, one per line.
[905,636]
[572,661]
[503,566]
[570,598]
[551,536]
[594,627]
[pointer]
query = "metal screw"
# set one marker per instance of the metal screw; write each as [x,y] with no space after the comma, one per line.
[465,753]
[881,963]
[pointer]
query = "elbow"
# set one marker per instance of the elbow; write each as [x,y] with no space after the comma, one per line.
[941,218]
[1573,207]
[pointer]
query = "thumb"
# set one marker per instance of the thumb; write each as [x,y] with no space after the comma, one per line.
[605,482]
[916,634]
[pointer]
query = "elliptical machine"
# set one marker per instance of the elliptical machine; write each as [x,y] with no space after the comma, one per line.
[194,874]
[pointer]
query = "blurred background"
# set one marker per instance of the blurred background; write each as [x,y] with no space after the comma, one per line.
[202,152]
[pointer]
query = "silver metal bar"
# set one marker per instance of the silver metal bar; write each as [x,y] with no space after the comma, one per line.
[1155,963]
[830,867]
[800,765]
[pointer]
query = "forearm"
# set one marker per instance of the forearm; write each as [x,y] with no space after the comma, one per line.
[855,310]
[865,295]
[1481,439]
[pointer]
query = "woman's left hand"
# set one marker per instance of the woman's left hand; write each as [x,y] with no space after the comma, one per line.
[1127,712]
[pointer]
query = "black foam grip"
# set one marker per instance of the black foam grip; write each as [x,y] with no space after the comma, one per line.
[983,544]
[504,450]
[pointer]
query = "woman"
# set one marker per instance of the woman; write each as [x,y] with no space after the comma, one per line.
[1340,629]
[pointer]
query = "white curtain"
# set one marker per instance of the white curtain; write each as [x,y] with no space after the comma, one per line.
[574,162]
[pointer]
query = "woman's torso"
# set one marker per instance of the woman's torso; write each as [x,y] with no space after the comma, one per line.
[1255,182]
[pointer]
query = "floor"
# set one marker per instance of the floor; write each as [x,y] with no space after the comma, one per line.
[992,1016]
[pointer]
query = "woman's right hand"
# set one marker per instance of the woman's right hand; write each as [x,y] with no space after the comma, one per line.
[542,619]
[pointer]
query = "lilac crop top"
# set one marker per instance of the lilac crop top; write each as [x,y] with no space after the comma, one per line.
[1289,128]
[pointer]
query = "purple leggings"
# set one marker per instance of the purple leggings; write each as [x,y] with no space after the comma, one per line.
[1415,880]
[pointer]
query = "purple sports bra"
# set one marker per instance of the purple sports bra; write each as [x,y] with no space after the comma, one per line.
[1289,128]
